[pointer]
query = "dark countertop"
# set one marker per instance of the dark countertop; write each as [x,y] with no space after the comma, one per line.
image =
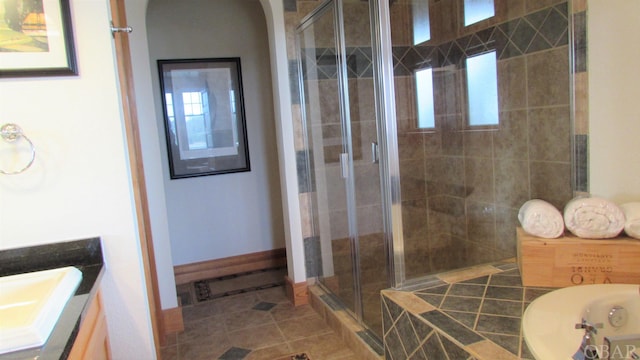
[86,255]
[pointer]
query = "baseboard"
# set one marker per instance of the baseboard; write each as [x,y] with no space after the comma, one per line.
[298,293]
[172,320]
[187,273]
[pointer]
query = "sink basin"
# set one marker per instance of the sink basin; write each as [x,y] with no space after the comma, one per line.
[30,305]
[548,324]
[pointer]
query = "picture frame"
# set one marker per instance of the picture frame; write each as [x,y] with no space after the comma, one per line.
[204,116]
[38,39]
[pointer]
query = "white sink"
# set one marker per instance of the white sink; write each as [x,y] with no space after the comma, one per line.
[30,305]
[548,324]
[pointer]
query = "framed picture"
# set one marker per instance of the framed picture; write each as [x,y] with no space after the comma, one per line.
[204,117]
[36,38]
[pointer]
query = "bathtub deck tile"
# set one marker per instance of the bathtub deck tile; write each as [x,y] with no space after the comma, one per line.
[481,315]
[489,350]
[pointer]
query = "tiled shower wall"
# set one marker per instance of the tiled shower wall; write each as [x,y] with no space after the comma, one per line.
[462,189]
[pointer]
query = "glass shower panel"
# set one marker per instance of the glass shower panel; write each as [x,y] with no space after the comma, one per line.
[326,144]
[370,239]
[464,177]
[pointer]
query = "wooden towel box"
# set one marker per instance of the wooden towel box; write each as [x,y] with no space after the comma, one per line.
[570,260]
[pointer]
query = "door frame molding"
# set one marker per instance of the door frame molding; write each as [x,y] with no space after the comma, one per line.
[129,111]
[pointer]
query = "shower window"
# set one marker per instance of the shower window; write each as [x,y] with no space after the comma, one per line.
[482,89]
[424,98]
[477,10]
[421,22]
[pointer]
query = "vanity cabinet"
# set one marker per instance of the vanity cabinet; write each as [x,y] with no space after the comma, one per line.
[92,341]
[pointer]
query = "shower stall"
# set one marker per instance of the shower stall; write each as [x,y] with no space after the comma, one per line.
[426,125]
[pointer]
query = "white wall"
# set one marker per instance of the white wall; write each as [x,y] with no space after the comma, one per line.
[151,145]
[218,216]
[614,99]
[79,185]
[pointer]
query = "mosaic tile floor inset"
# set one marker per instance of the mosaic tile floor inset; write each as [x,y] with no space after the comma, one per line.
[487,307]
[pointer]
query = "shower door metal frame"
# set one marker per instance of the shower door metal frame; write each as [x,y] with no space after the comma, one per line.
[387,134]
[345,120]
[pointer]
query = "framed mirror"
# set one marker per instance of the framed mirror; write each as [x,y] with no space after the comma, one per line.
[204,116]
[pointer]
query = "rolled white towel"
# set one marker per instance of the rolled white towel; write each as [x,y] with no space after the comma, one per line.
[593,218]
[541,219]
[631,212]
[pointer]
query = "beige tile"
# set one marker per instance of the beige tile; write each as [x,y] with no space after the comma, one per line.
[477,171]
[276,295]
[551,181]
[326,346]
[200,311]
[299,141]
[291,20]
[509,9]
[510,141]
[468,273]
[347,322]
[400,20]
[235,303]
[481,224]
[212,348]
[200,330]
[414,191]
[578,5]
[257,337]
[533,5]
[581,103]
[405,103]
[314,300]
[169,352]
[245,319]
[408,301]
[548,78]
[303,327]
[270,353]
[362,100]
[356,23]
[512,175]
[306,213]
[335,321]
[550,134]
[489,350]
[512,91]
[288,311]
[359,347]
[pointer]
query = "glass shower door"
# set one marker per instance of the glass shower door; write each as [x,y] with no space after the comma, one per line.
[327,150]
[339,118]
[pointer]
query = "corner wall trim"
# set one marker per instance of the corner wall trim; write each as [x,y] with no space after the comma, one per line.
[187,273]
[298,293]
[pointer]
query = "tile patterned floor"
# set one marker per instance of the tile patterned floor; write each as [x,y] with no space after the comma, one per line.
[255,325]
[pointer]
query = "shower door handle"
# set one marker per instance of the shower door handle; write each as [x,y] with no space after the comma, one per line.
[375,155]
[344,165]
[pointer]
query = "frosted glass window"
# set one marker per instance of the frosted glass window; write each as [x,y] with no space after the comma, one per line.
[421,22]
[477,10]
[482,89]
[424,99]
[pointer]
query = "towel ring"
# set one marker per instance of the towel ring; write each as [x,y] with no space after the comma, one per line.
[11,133]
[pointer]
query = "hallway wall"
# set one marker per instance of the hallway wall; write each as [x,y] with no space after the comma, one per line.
[213,217]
